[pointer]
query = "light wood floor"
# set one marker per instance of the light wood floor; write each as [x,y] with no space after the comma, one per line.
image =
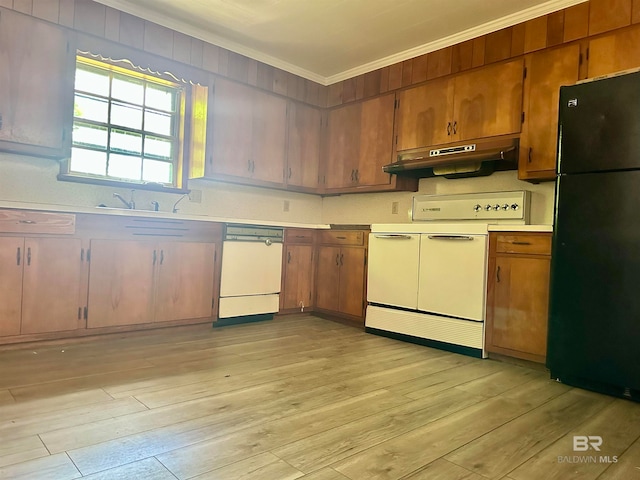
[297,397]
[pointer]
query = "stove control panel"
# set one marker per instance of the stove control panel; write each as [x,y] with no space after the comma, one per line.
[491,207]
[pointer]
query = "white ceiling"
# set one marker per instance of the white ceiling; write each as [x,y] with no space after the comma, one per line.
[330,40]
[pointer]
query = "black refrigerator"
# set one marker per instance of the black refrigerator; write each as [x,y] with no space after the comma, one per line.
[594,313]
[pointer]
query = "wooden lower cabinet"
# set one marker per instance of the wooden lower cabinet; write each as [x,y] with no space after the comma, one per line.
[134,282]
[40,280]
[518,295]
[297,284]
[341,274]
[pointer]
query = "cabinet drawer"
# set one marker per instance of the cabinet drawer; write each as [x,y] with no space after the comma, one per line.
[521,243]
[26,221]
[298,235]
[342,237]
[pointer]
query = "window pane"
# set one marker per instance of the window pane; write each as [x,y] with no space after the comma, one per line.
[126,116]
[159,97]
[124,141]
[90,108]
[157,147]
[92,80]
[128,89]
[124,166]
[157,171]
[88,161]
[89,135]
[157,122]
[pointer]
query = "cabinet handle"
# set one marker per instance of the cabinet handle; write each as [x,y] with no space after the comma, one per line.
[288,257]
[0,122]
[289,172]
[357,175]
[353,173]
[29,256]
[341,238]
[341,257]
[28,222]
[161,257]
[253,166]
[154,257]
[301,236]
[521,243]
[530,150]
[249,165]
[18,257]
[448,128]
[337,259]
[455,127]
[498,274]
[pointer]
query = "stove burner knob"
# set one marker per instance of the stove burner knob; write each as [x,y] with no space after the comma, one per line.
[515,206]
[505,206]
[487,208]
[496,207]
[477,207]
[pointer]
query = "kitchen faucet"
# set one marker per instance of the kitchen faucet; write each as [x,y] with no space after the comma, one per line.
[131,205]
[175,205]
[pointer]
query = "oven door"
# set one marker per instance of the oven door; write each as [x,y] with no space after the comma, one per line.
[393,269]
[453,275]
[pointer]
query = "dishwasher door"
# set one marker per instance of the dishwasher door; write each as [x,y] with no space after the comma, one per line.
[393,269]
[250,279]
[453,272]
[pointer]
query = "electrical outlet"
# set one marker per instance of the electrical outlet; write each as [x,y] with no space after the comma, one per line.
[196,196]
[394,208]
[285,206]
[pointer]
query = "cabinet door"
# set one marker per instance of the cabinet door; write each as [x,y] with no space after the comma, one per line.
[488,101]
[303,145]
[376,141]
[231,125]
[269,135]
[184,285]
[328,278]
[518,304]
[614,53]
[425,115]
[11,264]
[352,281]
[547,71]
[298,276]
[36,84]
[343,146]
[51,284]
[121,282]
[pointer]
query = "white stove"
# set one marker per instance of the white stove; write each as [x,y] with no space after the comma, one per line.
[427,279]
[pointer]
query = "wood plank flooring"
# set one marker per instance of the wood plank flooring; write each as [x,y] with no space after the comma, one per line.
[298,397]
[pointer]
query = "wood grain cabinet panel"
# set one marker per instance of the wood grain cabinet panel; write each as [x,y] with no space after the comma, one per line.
[36,86]
[343,146]
[268,145]
[614,52]
[297,287]
[328,279]
[605,15]
[547,71]
[518,295]
[11,268]
[303,146]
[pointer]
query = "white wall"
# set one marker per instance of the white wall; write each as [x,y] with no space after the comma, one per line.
[376,207]
[28,179]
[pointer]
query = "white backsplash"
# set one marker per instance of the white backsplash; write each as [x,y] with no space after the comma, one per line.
[377,207]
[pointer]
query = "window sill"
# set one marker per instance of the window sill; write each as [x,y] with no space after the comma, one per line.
[153,187]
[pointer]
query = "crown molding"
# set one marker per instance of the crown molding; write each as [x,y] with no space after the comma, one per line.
[207,36]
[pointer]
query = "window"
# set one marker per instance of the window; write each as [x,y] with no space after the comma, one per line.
[132,125]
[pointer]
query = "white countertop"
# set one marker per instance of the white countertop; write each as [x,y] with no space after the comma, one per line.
[521,228]
[149,214]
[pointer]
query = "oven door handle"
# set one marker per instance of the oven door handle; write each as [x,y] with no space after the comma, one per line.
[449,237]
[394,236]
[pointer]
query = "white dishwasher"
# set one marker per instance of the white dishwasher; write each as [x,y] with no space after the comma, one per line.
[251,274]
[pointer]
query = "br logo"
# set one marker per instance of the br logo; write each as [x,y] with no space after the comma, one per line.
[582,443]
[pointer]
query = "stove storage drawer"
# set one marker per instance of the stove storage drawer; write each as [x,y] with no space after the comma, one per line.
[341,237]
[525,243]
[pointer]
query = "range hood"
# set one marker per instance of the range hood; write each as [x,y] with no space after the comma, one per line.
[471,159]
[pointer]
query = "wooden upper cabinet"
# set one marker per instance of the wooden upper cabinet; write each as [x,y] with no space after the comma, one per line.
[547,71]
[303,145]
[36,86]
[231,129]
[615,52]
[485,102]
[247,134]
[359,142]
[343,145]
[424,115]
[376,141]
[605,15]
[488,101]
